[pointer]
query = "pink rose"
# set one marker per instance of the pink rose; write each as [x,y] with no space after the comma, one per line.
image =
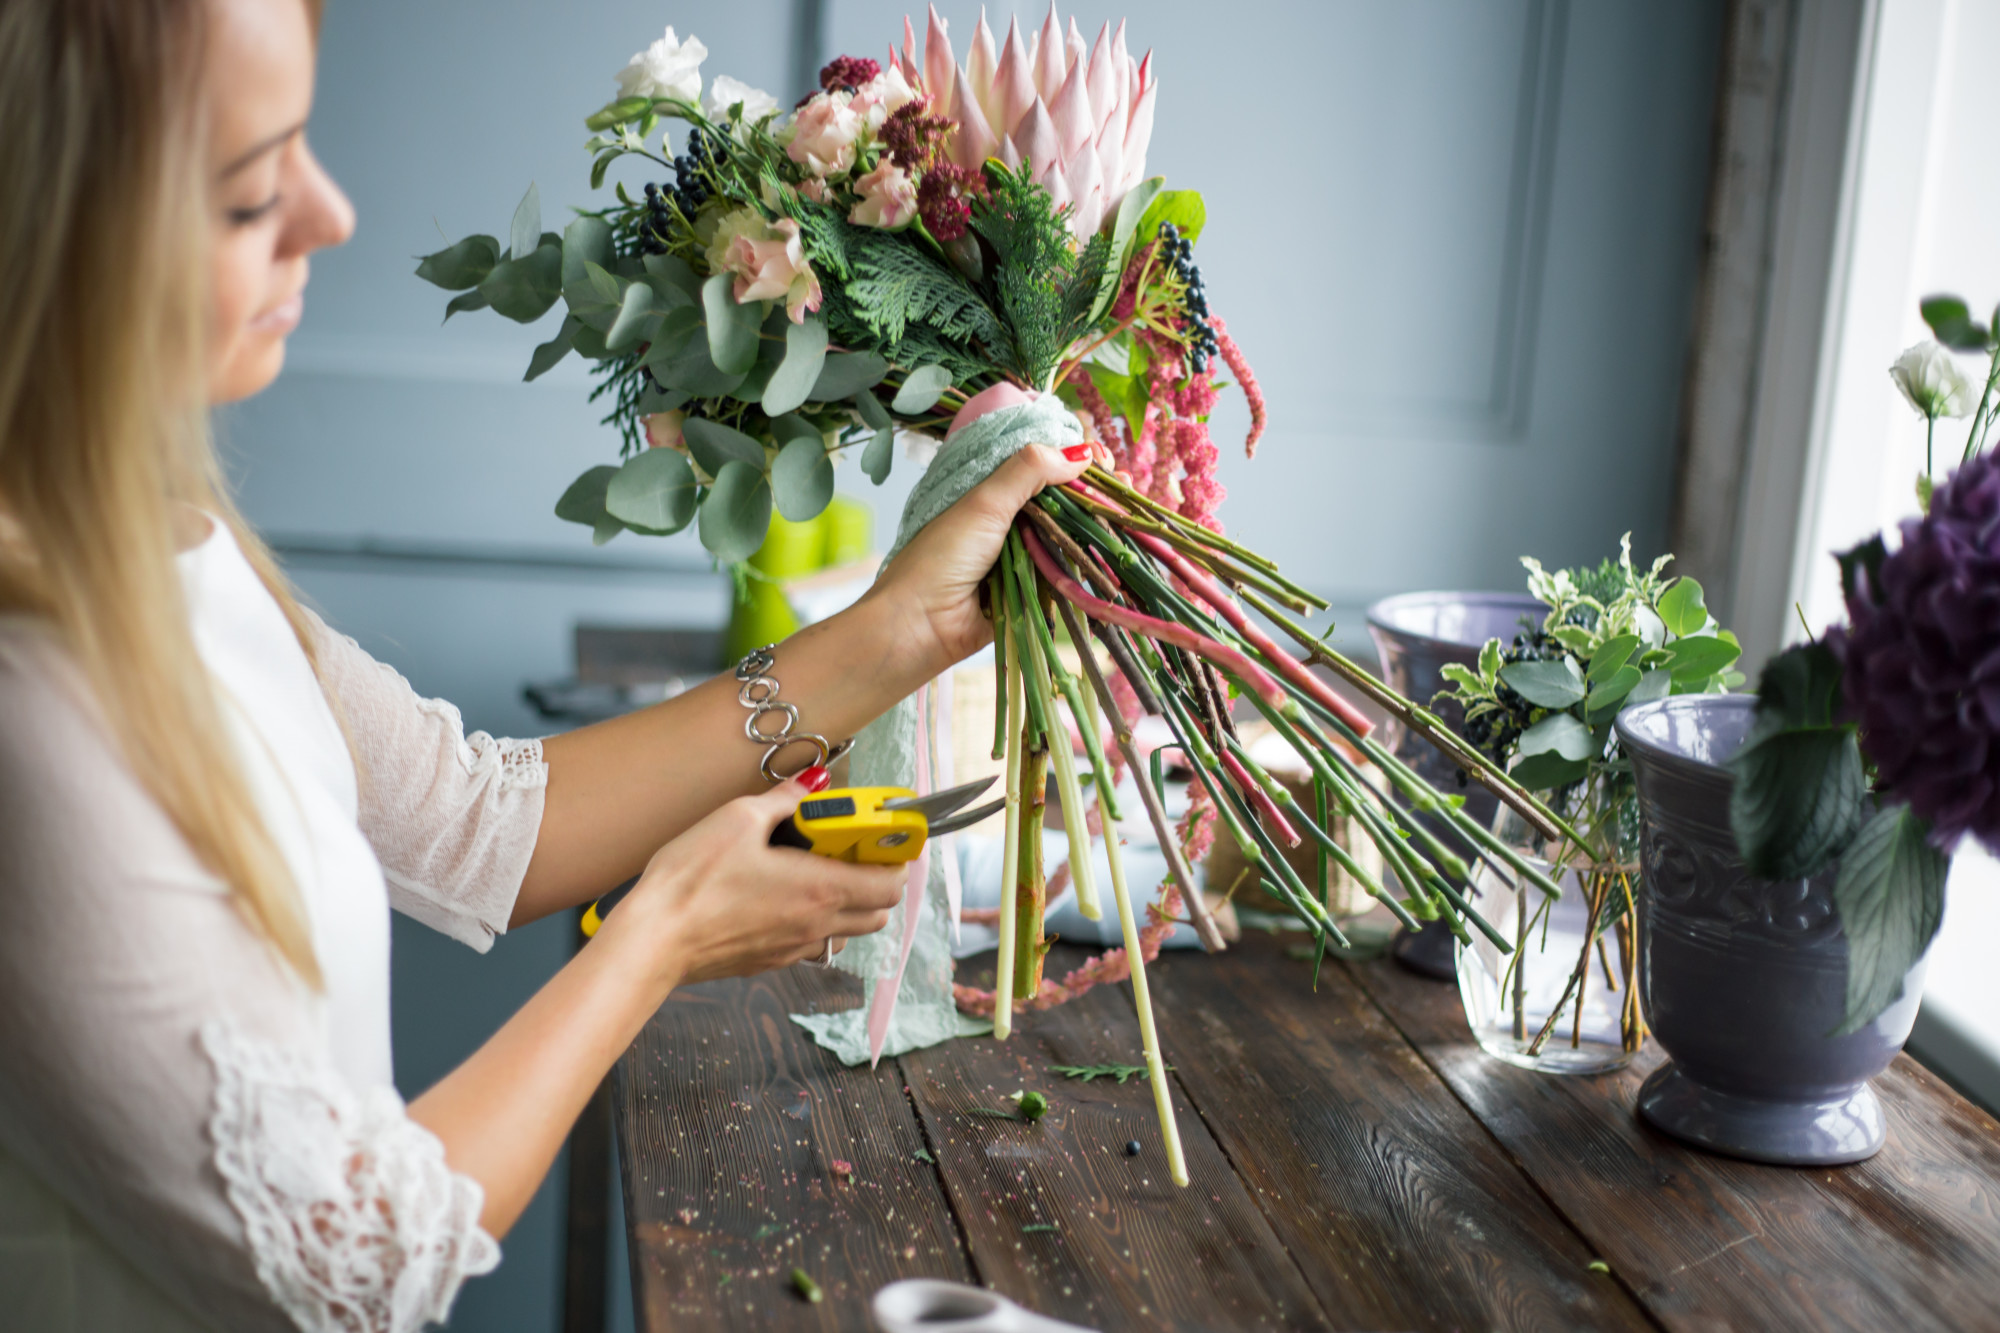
[882,97]
[774,268]
[663,431]
[823,135]
[888,197]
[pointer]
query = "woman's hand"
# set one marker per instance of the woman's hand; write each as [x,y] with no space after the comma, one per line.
[720,901]
[934,581]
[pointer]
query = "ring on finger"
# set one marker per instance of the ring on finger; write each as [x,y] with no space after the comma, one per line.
[825,958]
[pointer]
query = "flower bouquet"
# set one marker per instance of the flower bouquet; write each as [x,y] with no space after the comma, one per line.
[1879,743]
[1614,637]
[972,254]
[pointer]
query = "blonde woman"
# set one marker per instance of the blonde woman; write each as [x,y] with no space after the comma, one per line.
[209,800]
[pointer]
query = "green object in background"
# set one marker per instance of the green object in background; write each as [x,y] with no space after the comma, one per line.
[841,533]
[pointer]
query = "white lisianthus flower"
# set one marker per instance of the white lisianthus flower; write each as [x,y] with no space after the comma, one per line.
[667,68]
[726,92]
[1932,382]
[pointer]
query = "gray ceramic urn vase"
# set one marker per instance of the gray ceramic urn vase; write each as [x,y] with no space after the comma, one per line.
[1416,634]
[1744,978]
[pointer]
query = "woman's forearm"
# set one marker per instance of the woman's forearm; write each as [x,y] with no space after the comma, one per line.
[503,1115]
[621,788]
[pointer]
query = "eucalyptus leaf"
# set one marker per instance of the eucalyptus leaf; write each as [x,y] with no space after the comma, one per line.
[604,530]
[791,426]
[583,501]
[802,479]
[1560,734]
[871,410]
[1699,657]
[845,374]
[674,271]
[732,328]
[603,284]
[525,235]
[653,400]
[750,389]
[880,455]
[715,446]
[585,241]
[634,311]
[554,350]
[1890,897]
[737,513]
[524,289]
[921,390]
[460,265]
[654,491]
[1545,684]
[793,381]
[683,363]
[465,301]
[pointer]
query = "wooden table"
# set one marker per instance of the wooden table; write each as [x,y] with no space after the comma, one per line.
[1357,1162]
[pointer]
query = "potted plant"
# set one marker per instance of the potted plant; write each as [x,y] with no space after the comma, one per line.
[1567,1000]
[1796,848]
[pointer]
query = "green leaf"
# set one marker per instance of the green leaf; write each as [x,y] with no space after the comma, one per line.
[554,350]
[879,456]
[871,410]
[653,400]
[1866,559]
[1574,637]
[634,311]
[1611,655]
[1800,687]
[1559,734]
[1124,229]
[681,361]
[737,513]
[1545,684]
[791,426]
[715,446]
[655,492]
[603,285]
[585,241]
[1698,658]
[732,328]
[1890,897]
[583,502]
[1183,208]
[674,271]
[793,381]
[525,235]
[845,374]
[1654,684]
[1549,770]
[1464,677]
[1610,694]
[1490,655]
[1953,325]
[802,479]
[1683,609]
[524,289]
[459,266]
[472,300]
[1799,798]
[921,390]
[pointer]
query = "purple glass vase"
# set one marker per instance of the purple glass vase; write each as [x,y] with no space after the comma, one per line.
[1417,634]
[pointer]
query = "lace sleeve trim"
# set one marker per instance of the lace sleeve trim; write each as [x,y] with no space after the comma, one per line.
[354,1221]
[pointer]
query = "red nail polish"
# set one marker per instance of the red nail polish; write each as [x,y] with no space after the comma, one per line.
[1076,453]
[815,778]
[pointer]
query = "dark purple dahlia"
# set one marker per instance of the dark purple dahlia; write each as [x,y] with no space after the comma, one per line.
[1922,660]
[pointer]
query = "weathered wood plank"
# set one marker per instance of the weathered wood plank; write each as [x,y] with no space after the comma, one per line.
[1402,1211]
[1909,1240]
[1129,1249]
[729,1122]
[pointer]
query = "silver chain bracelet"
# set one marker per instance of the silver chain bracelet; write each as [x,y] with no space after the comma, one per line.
[759,693]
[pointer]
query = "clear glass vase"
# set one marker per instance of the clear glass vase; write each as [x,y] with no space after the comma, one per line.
[1545,1006]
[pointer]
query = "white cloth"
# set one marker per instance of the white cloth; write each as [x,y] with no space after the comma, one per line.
[189,1137]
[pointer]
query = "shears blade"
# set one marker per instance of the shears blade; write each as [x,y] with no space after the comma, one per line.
[938,804]
[968,818]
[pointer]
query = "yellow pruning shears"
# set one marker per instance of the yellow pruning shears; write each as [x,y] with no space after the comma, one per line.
[870,825]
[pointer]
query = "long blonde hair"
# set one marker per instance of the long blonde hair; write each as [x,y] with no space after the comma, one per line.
[104,431]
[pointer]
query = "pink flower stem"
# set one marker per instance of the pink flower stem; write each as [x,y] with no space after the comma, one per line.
[1288,666]
[1267,809]
[1229,659]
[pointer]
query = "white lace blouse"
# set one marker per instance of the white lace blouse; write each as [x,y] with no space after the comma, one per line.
[189,1138]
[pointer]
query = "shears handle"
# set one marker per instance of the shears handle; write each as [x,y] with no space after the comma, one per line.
[786,834]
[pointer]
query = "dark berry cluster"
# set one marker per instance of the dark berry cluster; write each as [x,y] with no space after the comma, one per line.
[688,192]
[1494,732]
[1178,251]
